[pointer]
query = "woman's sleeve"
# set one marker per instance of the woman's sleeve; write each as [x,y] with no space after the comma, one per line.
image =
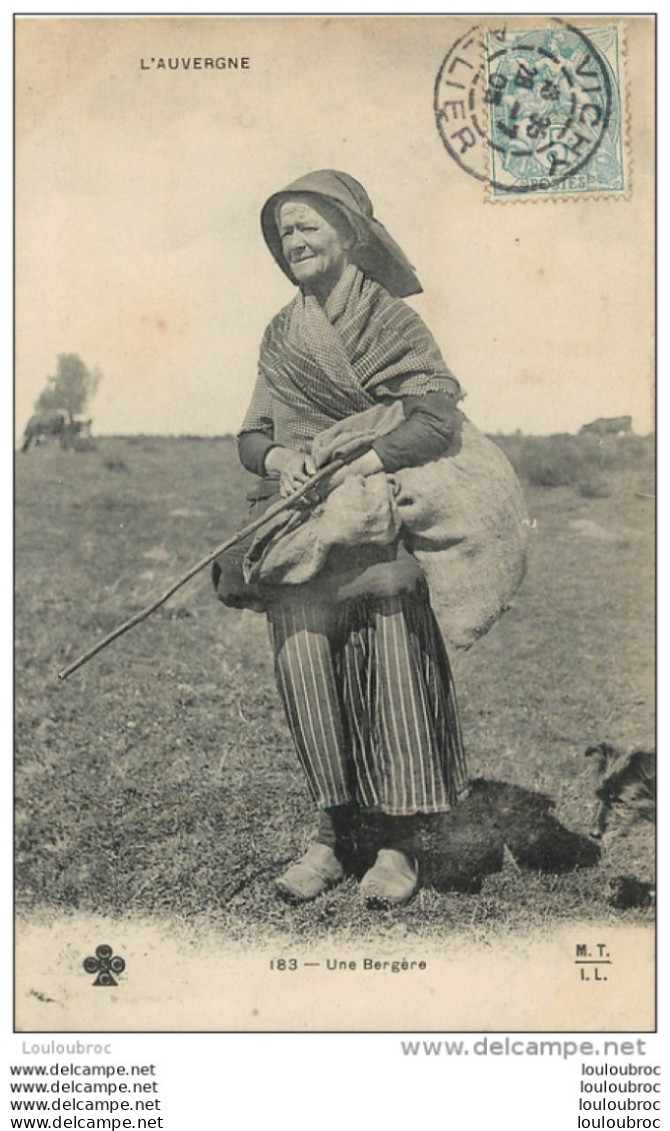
[256,436]
[431,427]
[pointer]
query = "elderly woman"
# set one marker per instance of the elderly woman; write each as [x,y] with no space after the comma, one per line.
[360,664]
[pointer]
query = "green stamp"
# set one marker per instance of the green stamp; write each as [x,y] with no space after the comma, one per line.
[536,112]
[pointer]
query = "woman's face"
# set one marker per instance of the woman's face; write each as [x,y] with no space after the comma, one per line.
[315,251]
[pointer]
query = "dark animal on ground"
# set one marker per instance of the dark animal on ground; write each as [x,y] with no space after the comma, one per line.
[627,785]
[457,850]
[626,794]
[608,426]
[626,892]
[45,424]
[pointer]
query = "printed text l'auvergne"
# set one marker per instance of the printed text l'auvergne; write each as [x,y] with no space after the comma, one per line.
[195,62]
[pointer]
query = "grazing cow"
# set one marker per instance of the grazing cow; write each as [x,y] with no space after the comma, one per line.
[608,426]
[57,423]
[43,424]
[627,785]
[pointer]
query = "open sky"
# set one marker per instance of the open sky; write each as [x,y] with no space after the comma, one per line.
[138,238]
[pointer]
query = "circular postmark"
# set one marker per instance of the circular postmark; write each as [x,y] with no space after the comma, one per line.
[523,110]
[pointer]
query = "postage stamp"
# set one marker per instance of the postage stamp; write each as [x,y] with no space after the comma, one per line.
[537,112]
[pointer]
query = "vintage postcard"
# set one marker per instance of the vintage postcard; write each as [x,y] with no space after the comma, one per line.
[376,293]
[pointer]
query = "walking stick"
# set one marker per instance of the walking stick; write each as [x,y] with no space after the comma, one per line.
[276,508]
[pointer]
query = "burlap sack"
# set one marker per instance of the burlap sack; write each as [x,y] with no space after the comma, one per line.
[465,519]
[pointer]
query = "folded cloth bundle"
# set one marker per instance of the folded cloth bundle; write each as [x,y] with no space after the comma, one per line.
[463,518]
[360,512]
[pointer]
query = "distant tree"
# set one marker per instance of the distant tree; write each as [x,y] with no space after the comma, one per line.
[71,388]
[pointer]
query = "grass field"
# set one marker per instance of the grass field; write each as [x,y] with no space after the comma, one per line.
[160,780]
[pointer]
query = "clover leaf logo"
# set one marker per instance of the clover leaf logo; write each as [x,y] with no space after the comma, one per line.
[105,964]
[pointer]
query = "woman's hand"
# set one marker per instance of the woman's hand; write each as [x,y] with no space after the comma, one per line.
[294,468]
[367,464]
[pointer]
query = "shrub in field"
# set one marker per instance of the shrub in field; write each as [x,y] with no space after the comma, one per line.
[609,452]
[593,485]
[563,460]
[632,451]
[551,461]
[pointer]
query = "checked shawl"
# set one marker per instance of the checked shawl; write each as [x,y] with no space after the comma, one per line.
[319,366]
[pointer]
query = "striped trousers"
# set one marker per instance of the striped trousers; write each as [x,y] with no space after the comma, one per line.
[369,697]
